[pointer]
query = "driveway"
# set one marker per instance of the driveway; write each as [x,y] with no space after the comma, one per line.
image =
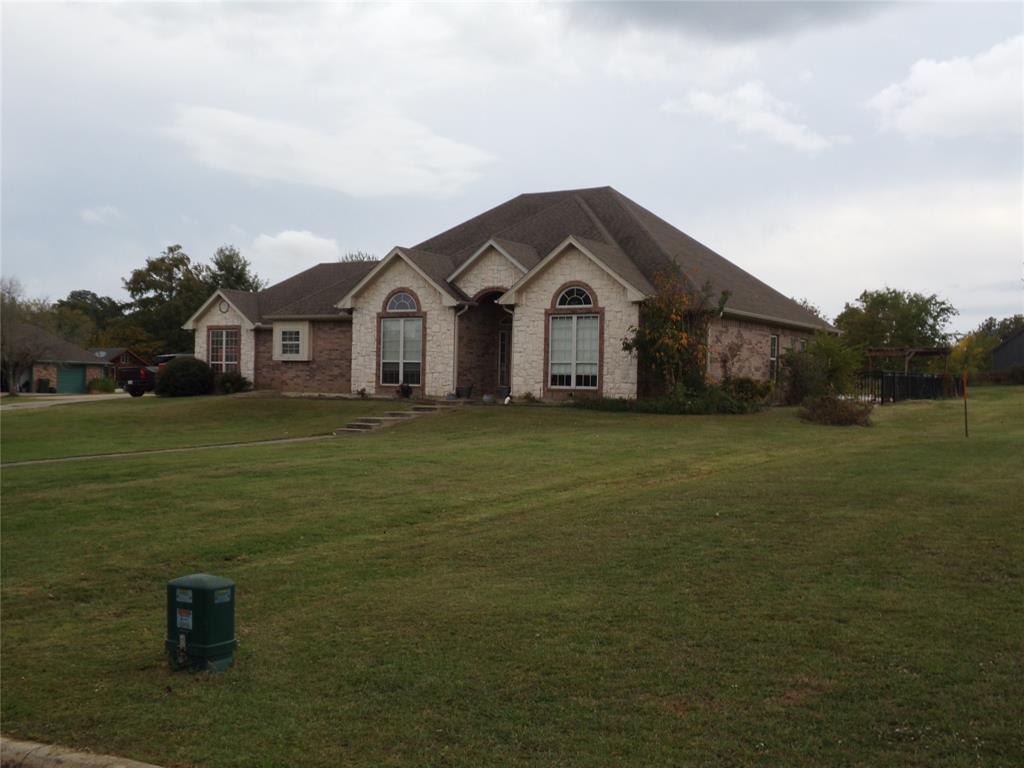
[27,401]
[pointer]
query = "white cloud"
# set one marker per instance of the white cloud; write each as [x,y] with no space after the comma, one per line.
[959,239]
[378,154]
[276,257]
[101,214]
[965,96]
[752,109]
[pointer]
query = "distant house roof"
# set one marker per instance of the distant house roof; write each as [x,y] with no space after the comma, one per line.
[106,354]
[626,238]
[48,348]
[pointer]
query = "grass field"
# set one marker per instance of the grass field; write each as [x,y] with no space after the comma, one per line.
[536,587]
[131,424]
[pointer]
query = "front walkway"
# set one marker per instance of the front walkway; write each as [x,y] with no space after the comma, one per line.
[29,400]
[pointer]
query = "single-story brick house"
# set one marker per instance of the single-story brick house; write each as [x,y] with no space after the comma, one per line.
[55,364]
[117,357]
[533,296]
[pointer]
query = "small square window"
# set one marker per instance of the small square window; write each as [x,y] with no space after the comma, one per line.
[291,343]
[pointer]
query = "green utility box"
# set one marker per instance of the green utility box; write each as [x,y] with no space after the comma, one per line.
[201,622]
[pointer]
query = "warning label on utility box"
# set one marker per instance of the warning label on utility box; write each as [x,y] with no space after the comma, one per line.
[184,618]
[222,596]
[183,595]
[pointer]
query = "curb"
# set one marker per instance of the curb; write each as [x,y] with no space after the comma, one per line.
[32,754]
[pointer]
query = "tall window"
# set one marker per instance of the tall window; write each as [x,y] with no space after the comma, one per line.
[773,359]
[573,351]
[401,349]
[224,349]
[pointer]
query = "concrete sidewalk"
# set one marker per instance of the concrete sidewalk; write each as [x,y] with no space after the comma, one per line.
[32,754]
[31,400]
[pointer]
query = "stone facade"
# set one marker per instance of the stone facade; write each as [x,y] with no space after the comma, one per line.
[618,377]
[439,349]
[743,347]
[214,318]
[490,270]
[329,368]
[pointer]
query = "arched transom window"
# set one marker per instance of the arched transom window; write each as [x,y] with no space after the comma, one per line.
[401,302]
[575,297]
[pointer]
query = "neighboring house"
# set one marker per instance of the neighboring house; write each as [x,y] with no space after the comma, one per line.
[117,357]
[1009,354]
[533,296]
[50,363]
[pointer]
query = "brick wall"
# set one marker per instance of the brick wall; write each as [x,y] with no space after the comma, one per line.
[743,346]
[43,371]
[478,347]
[93,372]
[328,370]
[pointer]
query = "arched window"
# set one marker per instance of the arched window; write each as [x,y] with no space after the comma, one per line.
[575,297]
[401,302]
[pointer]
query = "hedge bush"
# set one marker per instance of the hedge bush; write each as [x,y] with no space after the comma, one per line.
[231,382]
[835,411]
[184,377]
[102,385]
[709,400]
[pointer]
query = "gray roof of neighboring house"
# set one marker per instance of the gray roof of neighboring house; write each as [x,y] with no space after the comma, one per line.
[49,348]
[630,240]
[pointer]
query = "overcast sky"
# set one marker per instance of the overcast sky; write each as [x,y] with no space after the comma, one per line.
[824,147]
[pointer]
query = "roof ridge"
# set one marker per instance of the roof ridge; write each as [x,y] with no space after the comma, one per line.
[598,223]
[521,222]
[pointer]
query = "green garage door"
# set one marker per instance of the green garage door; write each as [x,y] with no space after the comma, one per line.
[71,379]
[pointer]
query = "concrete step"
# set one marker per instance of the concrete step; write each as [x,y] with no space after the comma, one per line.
[362,425]
[425,408]
[348,431]
[400,414]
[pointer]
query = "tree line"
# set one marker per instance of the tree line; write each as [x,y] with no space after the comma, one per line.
[163,294]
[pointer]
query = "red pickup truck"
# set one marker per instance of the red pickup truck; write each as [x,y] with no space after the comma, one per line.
[138,380]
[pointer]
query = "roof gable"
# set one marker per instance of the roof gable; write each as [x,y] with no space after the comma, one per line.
[432,267]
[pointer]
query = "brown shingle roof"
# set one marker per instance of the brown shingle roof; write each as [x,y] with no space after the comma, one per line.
[634,243]
[311,293]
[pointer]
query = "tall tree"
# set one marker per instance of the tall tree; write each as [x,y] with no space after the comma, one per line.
[894,318]
[164,294]
[19,346]
[229,269]
[1001,330]
[100,311]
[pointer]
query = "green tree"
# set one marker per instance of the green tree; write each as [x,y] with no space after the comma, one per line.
[1001,330]
[973,353]
[228,269]
[165,293]
[895,318]
[671,340]
[100,310]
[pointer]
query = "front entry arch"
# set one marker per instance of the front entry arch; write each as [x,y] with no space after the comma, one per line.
[485,347]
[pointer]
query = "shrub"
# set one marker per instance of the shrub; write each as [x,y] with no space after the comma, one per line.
[102,385]
[708,400]
[230,382]
[835,411]
[827,365]
[1017,374]
[403,391]
[748,390]
[184,377]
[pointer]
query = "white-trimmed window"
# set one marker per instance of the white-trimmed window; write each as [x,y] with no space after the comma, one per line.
[574,297]
[291,341]
[773,358]
[224,349]
[401,349]
[573,351]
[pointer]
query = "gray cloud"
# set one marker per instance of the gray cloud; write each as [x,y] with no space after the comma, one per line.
[724,20]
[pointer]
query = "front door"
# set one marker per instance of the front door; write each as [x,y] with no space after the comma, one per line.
[504,356]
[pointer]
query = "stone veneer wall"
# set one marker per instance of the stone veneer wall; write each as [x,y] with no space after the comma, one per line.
[438,357]
[329,368]
[529,368]
[215,318]
[747,346]
[490,270]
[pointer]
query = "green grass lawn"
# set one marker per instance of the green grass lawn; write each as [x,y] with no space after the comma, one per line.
[139,424]
[538,587]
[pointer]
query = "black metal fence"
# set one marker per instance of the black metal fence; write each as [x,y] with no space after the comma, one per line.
[890,387]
